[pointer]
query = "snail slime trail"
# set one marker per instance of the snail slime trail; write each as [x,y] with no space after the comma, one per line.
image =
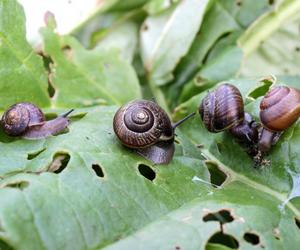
[145,127]
[28,121]
[279,110]
[223,110]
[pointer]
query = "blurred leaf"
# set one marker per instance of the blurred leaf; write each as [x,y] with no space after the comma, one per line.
[255,219]
[100,78]
[225,19]
[279,54]
[153,7]
[124,39]
[267,24]
[159,51]
[22,75]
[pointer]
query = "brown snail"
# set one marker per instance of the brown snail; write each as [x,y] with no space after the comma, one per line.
[223,109]
[28,121]
[279,109]
[145,127]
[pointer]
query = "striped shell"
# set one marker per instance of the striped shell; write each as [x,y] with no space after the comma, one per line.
[280,108]
[141,124]
[222,108]
[19,117]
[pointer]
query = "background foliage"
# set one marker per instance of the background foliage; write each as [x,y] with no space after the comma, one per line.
[83,190]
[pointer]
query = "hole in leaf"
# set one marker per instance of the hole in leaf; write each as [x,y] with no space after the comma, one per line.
[276,233]
[145,27]
[223,239]
[35,154]
[223,216]
[68,52]
[297,49]
[297,221]
[251,238]
[217,176]
[147,172]
[47,60]
[271,2]
[18,184]
[51,89]
[4,245]
[98,170]
[59,163]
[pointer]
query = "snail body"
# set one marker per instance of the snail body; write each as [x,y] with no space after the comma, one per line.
[223,109]
[145,127]
[28,121]
[279,109]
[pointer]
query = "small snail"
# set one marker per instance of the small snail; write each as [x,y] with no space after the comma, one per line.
[279,109]
[145,127]
[28,121]
[223,109]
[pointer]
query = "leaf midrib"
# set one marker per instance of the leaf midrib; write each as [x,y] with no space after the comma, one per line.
[23,62]
[258,186]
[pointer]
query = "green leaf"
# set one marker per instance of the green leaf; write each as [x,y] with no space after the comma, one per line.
[159,52]
[73,207]
[22,75]
[254,219]
[102,78]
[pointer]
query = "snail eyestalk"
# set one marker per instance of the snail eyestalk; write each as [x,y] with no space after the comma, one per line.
[175,125]
[67,113]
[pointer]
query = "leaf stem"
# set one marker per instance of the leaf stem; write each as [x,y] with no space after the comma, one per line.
[268,23]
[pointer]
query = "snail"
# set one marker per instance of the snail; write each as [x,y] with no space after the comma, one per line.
[145,127]
[223,109]
[279,109]
[28,121]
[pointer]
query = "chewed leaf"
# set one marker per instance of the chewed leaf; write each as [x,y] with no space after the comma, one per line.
[100,78]
[237,217]
[22,75]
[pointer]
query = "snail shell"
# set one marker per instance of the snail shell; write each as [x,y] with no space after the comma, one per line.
[141,124]
[280,108]
[222,108]
[19,117]
[27,120]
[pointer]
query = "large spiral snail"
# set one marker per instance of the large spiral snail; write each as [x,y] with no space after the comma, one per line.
[279,109]
[145,127]
[28,121]
[223,109]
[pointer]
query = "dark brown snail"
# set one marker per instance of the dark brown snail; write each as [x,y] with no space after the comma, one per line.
[146,127]
[279,109]
[223,109]
[28,121]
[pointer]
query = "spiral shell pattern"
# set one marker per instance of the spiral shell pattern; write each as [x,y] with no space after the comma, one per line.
[16,120]
[141,124]
[222,108]
[280,108]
